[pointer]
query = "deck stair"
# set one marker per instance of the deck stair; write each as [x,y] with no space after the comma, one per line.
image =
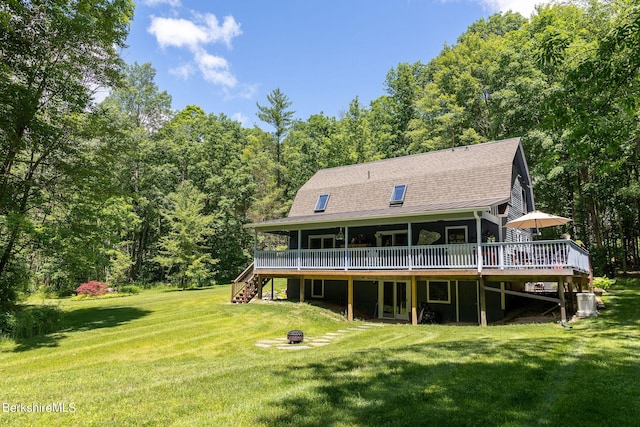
[246,286]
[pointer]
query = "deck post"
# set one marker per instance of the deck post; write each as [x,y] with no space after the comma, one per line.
[414,301]
[302,289]
[570,287]
[563,309]
[259,287]
[350,299]
[483,302]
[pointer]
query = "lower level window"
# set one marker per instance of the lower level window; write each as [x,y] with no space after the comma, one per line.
[438,292]
[317,288]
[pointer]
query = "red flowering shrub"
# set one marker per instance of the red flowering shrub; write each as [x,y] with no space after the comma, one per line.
[92,288]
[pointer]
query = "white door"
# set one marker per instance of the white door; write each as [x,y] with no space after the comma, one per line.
[393,300]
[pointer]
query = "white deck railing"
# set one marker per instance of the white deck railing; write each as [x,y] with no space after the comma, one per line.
[554,254]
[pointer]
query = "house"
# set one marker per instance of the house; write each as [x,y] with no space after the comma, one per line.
[382,237]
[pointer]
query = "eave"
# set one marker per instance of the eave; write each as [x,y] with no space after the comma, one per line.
[392,215]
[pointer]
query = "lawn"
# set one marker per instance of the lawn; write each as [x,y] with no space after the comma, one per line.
[188,358]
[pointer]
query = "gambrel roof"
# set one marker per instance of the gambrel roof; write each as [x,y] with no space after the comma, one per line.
[457,179]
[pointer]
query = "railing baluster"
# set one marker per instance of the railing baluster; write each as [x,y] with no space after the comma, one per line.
[515,255]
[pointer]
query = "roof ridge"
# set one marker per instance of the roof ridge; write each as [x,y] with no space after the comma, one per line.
[482,144]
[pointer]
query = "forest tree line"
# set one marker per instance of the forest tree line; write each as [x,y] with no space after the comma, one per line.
[128,190]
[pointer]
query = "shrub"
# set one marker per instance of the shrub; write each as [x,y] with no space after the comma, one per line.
[92,288]
[129,289]
[29,321]
[603,282]
[7,324]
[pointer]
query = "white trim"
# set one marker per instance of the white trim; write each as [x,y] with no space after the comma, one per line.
[400,201]
[407,302]
[321,237]
[393,234]
[457,227]
[392,217]
[321,295]
[448,301]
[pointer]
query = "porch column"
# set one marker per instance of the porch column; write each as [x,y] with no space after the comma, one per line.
[409,238]
[255,241]
[259,287]
[346,248]
[478,241]
[563,309]
[483,303]
[302,289]
[350,299]
[299,263]
[414,301]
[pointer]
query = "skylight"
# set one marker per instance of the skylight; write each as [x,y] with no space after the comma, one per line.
[321,204]
[397,196]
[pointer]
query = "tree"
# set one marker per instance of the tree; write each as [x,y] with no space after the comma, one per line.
[403,85]
[53,53]
[207,150]
[182,248]
[278,116]
[143,110]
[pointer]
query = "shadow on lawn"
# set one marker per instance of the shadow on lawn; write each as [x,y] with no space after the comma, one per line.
[563,379]
[83,319]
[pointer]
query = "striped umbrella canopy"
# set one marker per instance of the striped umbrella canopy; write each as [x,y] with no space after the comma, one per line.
[537,219]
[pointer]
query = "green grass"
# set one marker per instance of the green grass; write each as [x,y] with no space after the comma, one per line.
[189,358]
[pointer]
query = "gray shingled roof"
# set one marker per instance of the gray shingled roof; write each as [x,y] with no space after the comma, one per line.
[453,179]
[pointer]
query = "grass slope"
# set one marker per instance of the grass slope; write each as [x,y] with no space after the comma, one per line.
[189,358]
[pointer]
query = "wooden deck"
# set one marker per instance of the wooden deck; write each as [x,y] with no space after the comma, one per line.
[500,260]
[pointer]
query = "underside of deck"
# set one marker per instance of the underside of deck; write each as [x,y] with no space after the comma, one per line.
[524,275]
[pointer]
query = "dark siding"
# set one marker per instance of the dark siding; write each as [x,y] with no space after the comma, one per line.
[293,289]
[365,297]
[494,307]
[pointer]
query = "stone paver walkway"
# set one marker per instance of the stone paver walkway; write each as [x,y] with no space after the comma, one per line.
[311,342]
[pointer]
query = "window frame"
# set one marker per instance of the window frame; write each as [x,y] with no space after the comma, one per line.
[456,227]
[398,201]
[322,238]
[321,207]
[313,282]
[439,301]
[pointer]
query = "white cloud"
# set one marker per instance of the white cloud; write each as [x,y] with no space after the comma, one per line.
[524,7]
[184,71]
[225,32]
[239,117]
[203,30]
[248,91]
[194,35]
[173,3]
[215,69]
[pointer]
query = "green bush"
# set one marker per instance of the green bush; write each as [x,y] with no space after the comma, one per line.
[31,320]
[7,324]
[37,320]
[129,289]
[603,282]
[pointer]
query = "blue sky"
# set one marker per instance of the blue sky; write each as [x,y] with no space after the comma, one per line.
[226,55]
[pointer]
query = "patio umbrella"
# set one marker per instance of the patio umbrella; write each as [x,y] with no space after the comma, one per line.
[537,219]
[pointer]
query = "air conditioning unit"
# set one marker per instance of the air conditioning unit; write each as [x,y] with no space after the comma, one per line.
[587,305]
